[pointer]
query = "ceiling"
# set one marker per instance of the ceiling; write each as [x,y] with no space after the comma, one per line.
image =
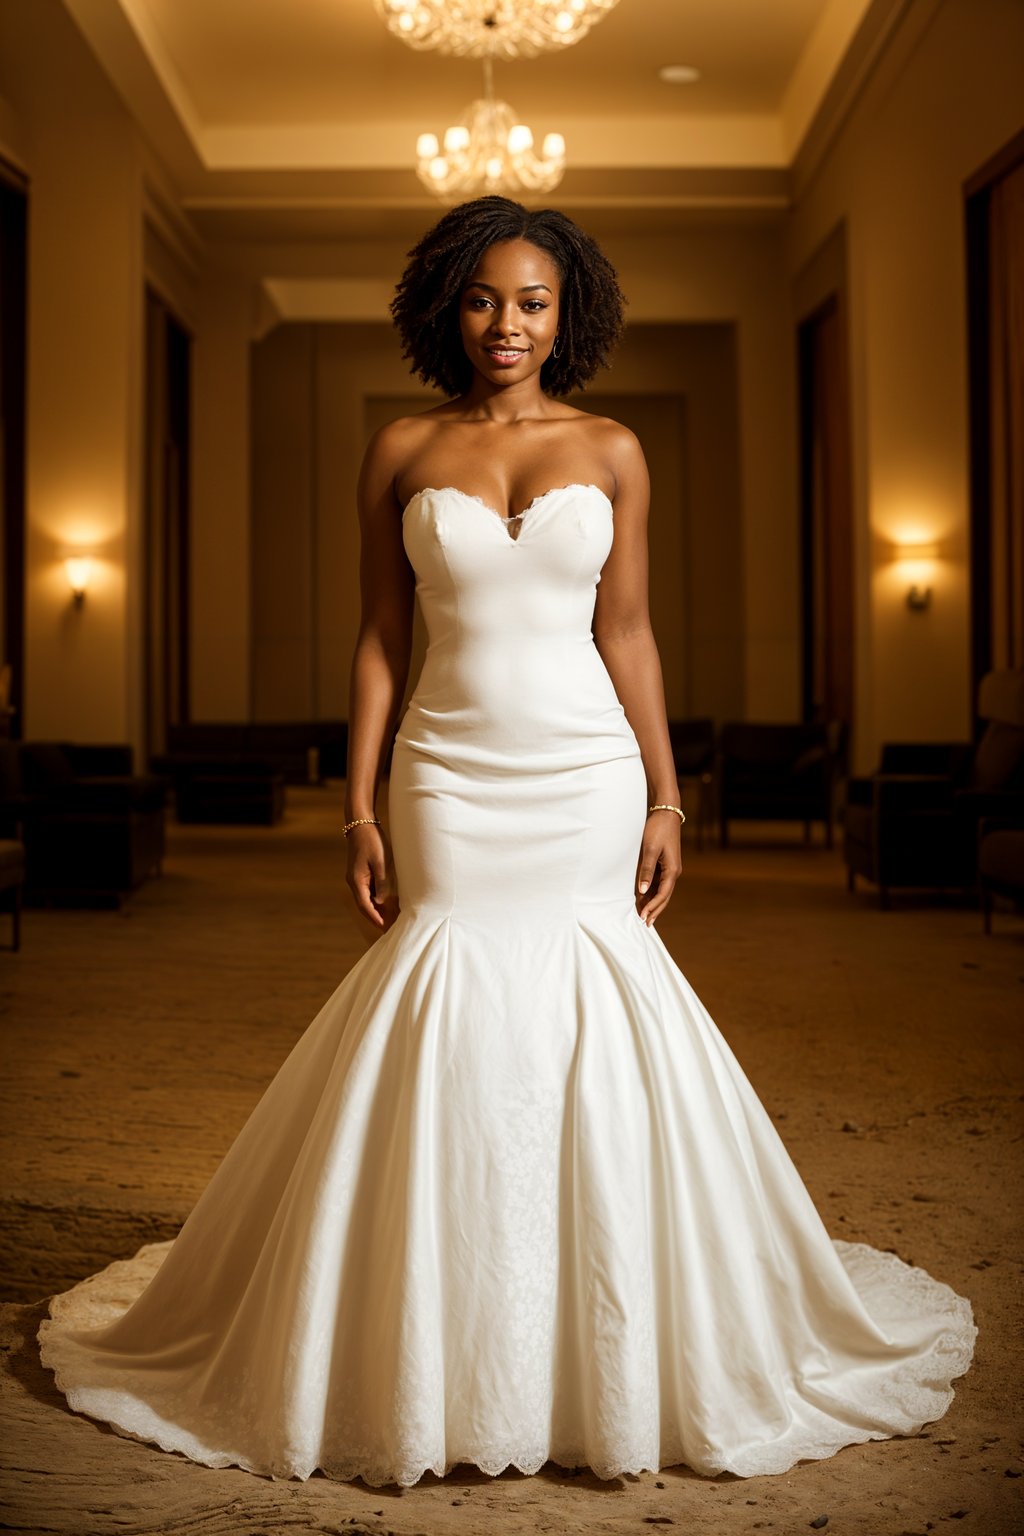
[266,112]
[243,62]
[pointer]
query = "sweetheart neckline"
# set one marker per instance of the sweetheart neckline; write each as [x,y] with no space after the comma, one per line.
[513,517]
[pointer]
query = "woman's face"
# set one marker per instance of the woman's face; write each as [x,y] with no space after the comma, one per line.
[509,312]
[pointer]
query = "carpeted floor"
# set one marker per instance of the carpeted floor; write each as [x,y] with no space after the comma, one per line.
[887,1046]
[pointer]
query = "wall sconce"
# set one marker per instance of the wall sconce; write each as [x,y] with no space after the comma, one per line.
[916,562]
[78,569]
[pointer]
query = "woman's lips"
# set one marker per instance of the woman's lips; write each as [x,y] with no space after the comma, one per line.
[505,357]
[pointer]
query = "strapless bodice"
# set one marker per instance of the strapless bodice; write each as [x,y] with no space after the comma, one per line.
[471,572]
[511,657]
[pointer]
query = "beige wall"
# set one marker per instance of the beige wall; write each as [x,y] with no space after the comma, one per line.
[736,273]
[725,279]
[945,99]
[310,384]
[102,224]
[286,521]
[77,144]
[320,390]
[696,523]
[220,534]
[91,176]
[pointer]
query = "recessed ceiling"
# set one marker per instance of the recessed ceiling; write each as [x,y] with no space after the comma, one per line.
[267,108]
[245,62]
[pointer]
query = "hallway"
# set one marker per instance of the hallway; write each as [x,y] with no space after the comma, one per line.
[886,1046]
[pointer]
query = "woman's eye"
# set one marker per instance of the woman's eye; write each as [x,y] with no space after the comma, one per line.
[534,304]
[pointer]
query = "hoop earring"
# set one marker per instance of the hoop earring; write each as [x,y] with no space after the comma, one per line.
[556,350]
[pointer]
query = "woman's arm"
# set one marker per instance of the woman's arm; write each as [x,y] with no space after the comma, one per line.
[380,668]
[625,640]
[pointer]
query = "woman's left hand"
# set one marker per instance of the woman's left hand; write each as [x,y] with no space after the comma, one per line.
[660,865]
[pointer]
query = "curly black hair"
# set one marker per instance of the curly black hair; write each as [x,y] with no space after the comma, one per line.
[425,308]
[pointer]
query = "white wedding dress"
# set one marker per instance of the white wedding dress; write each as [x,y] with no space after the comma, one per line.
[511,1197]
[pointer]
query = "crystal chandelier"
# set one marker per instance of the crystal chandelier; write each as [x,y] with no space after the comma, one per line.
[492,29]
[488,151]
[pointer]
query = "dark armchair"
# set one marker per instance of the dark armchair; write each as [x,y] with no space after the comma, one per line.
[914,822]
[784,772]
[93,829]
[236,772]
[12,879]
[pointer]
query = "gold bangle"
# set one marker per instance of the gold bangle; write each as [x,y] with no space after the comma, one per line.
[675,808]
[360,821]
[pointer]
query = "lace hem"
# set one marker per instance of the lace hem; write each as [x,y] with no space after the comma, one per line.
[912,1393]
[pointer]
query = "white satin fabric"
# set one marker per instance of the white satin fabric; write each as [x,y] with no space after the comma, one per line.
[511,1197]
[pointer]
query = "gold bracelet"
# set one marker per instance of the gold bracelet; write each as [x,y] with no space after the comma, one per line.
[675,808]
[360,821]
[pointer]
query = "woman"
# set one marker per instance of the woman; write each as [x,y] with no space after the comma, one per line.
[483,316]
[511,1197]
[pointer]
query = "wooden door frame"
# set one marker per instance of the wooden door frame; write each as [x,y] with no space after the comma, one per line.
[167,420]
[823,278]
[976,191]
[14,191]
[833,301]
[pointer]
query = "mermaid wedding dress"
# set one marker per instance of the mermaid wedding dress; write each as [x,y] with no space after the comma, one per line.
[511,1197]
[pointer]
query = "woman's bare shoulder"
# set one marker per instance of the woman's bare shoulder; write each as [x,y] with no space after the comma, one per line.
[616,445]
[393,444]
[607,430]
[603,431]
[409,429]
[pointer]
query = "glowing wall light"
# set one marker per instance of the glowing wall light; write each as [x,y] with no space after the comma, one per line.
[915,567]
[78,569]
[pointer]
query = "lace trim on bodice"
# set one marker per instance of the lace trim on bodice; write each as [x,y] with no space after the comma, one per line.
[513,518]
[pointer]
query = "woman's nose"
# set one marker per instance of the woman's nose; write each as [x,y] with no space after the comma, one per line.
[506,321]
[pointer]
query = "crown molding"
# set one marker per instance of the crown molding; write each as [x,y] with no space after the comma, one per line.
[888,34]
[228,177]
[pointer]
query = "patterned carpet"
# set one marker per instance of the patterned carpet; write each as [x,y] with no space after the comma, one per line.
[887,1046]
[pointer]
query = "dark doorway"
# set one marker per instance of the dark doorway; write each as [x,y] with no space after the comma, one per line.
[13,254]
[826,514]
[166,628]
[995,301]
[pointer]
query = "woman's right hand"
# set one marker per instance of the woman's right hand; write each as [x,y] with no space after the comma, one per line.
[370,875]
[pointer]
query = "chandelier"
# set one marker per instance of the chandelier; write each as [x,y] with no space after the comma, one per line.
[492,29]
[488,151]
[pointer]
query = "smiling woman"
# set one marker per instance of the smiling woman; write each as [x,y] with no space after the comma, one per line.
[503,324]
[511,1198]
[431,300]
